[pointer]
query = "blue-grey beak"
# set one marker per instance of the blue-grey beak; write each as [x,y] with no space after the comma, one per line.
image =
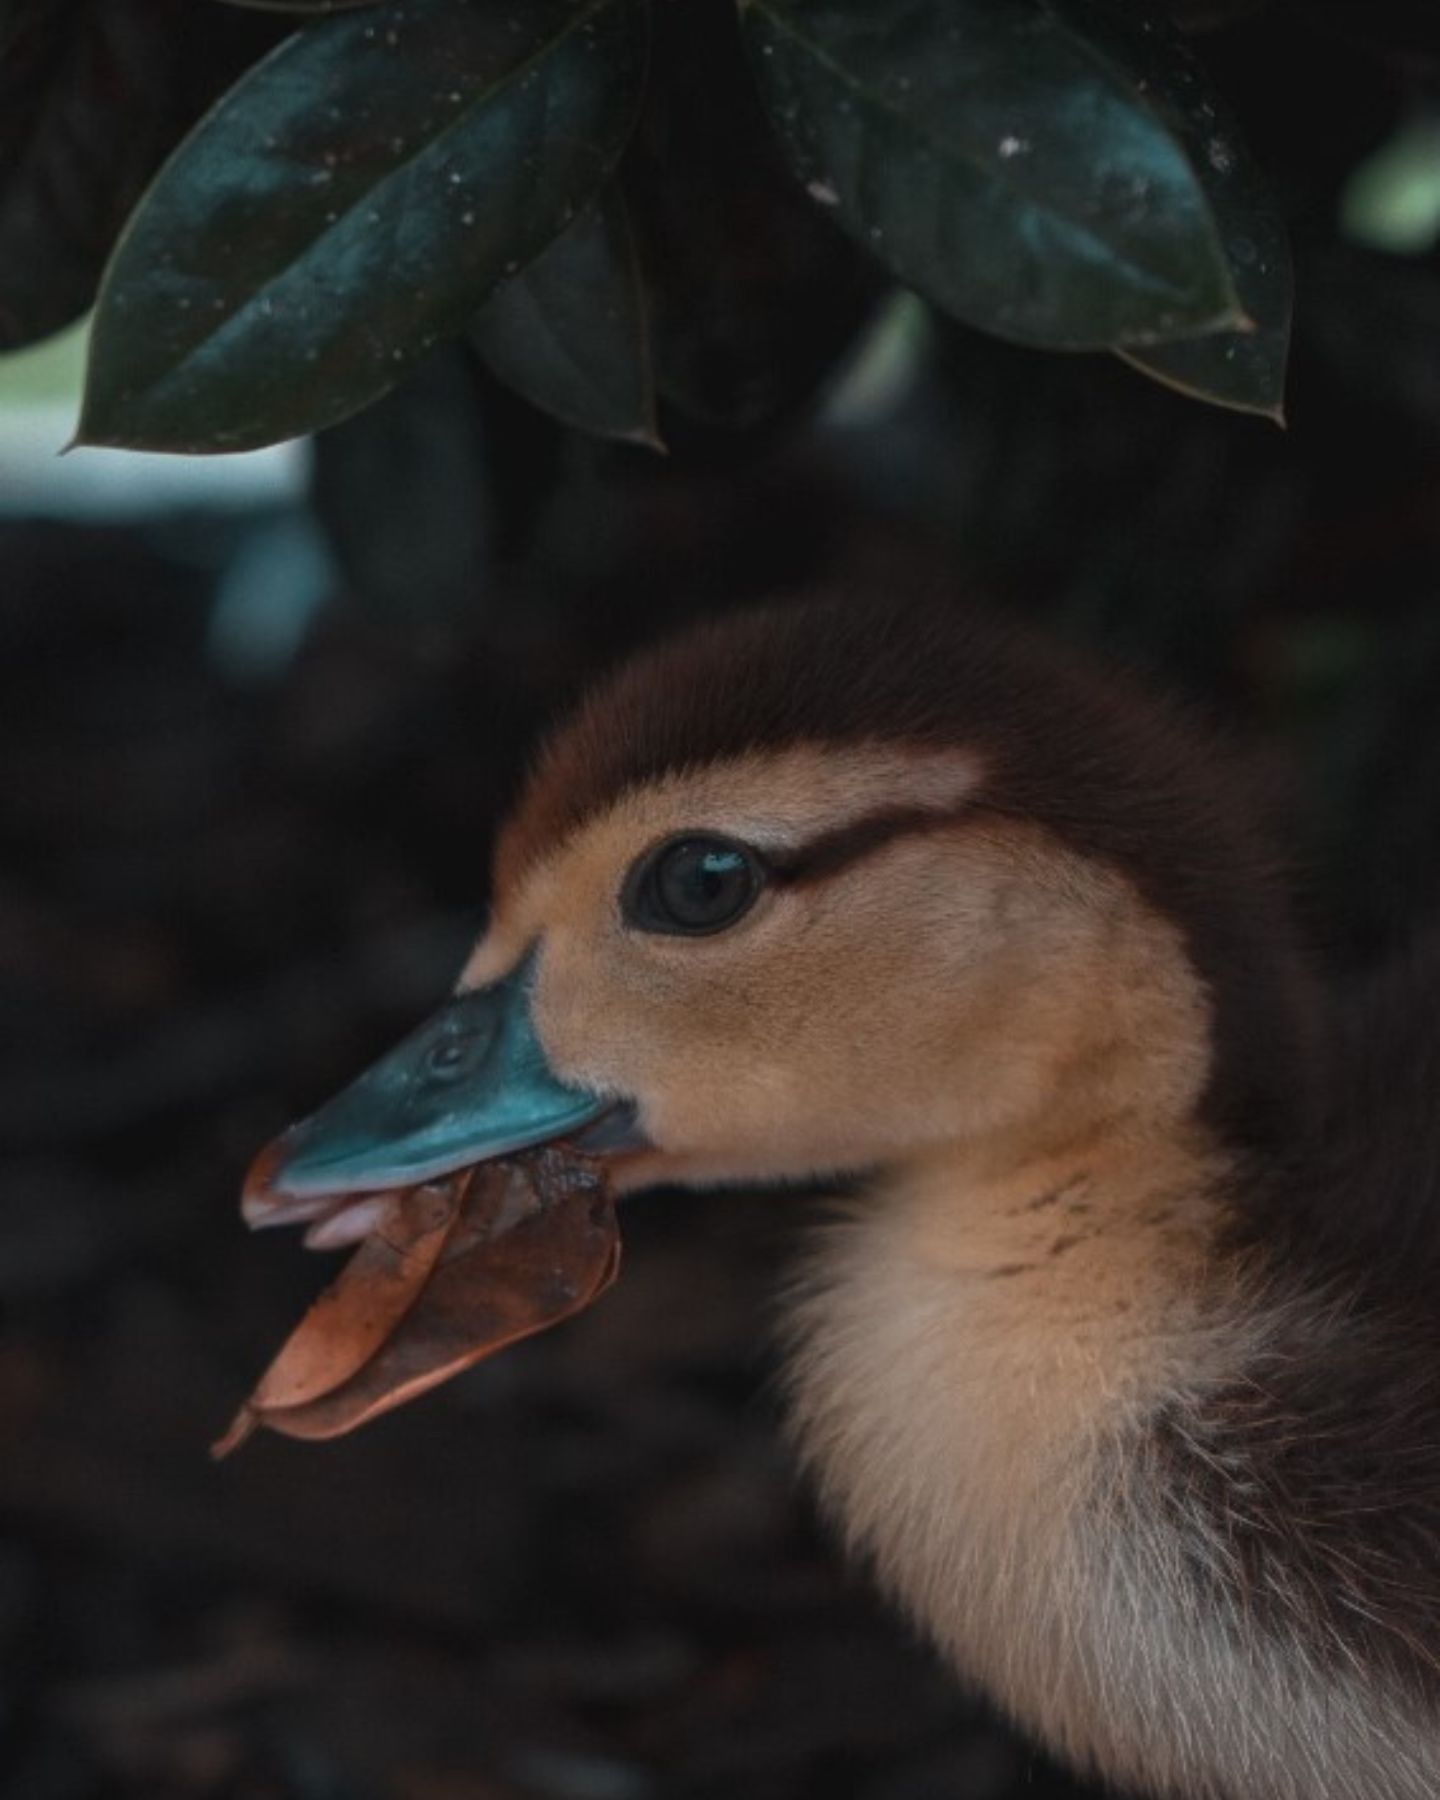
[470,1084]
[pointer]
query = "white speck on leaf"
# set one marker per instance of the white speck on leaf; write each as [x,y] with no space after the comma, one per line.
[823,192]
[1010,145]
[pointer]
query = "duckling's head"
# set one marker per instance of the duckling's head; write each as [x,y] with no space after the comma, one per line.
[831,886]
[827,886]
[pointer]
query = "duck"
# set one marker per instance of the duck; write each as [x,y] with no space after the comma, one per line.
[1116,1354]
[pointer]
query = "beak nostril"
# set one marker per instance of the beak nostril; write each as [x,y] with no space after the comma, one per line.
[470,1085]
[447,1059]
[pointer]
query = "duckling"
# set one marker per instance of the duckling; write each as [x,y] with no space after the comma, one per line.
[1119,1361]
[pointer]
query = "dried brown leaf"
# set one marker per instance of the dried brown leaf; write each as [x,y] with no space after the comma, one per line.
[461,1270]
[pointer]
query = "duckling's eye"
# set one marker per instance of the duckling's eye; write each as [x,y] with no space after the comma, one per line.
[692,886]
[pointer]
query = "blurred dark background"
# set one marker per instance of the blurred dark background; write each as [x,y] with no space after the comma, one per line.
[257,717]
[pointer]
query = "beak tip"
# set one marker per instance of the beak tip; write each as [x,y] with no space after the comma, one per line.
[406,1121]
[266,1201]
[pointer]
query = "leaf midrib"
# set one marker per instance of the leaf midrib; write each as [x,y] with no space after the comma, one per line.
[396,170]
[959,152]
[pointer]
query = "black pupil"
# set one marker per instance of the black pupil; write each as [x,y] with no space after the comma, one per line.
[704,885]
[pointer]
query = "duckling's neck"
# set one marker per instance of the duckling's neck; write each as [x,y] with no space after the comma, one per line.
[983,1357]
[969,1340]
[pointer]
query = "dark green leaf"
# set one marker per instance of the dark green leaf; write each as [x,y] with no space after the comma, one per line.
[572,331]
[93,93]
[1244,370]
[999,163]
[351,202]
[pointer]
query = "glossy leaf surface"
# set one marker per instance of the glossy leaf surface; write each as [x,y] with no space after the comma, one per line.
[999,162]
[571,333]
[1244,370]
[353,200]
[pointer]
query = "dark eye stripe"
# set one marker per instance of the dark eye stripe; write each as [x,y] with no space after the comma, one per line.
[835,850]
[643,903]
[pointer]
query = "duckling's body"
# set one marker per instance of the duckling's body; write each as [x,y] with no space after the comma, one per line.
[1122,1366]
[1172,1501]
[1161,1482]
